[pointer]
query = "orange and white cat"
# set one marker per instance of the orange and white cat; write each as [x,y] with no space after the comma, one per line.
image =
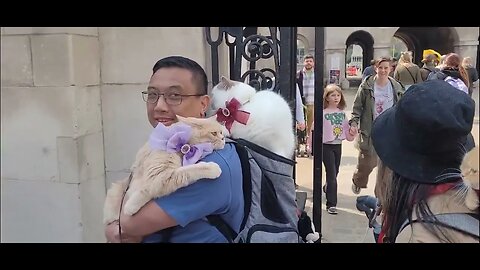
[471,175]
[156,173]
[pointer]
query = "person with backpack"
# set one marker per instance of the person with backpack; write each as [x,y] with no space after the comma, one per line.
[472,75]
[429,61]
[452,72]
[421,140]
[181,87]
[406,72]
[457,76]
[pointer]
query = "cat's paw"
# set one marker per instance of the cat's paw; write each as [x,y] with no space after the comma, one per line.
[130,209]
[471,199]
[212,170]
[107,219]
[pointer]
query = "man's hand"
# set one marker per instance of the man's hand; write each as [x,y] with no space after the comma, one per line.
[301,126]
[113,236]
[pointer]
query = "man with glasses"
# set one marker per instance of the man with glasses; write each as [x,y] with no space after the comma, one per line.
[178,86]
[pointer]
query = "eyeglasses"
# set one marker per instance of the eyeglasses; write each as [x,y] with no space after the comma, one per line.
[170,98]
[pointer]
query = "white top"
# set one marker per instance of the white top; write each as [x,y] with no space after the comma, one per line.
[383,98]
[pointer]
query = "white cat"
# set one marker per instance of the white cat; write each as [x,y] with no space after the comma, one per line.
[159,172]
[270,123]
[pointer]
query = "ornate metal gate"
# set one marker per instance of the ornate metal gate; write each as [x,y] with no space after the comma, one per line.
[247,47]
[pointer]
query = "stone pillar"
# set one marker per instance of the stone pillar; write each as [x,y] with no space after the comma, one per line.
[467,48]
[53,172]
[381,50]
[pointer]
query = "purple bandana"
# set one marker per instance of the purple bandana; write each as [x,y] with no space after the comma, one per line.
[175,139]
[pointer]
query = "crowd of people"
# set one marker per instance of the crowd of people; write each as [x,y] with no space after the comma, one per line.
[412,123]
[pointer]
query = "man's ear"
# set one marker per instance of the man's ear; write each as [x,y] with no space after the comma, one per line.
[205,101]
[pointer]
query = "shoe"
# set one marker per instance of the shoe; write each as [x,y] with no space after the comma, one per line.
[332,210]
[355,189]
[324,188]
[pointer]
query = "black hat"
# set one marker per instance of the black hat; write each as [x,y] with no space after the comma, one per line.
[424,134]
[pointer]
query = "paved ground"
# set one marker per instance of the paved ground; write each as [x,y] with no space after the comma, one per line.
[350,225]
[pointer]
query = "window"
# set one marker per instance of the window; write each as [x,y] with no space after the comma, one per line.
[300,51]
[398,46]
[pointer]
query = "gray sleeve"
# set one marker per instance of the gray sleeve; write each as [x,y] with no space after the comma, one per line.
[299,115]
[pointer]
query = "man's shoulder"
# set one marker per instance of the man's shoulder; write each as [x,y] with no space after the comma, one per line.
[397,85]
[367,83]
[225,157]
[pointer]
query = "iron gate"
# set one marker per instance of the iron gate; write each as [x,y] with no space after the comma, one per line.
[246,46]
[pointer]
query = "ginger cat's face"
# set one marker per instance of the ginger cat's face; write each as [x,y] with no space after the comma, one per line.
[470,173]
[470,166]
[206,130]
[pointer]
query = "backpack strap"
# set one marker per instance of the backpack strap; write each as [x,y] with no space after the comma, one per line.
[166,234]
[216,220]
[247,181]
[411,75]
[223,227]
[426,68]
[424,78]
[466,223]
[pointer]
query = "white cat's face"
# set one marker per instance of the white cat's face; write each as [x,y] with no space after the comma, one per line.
[227,89]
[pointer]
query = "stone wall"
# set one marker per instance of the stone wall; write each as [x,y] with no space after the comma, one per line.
[72,121]
[53,177]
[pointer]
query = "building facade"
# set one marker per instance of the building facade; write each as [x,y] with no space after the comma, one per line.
[380,41]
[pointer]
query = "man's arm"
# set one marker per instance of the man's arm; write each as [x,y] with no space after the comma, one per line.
[357,108]
[184,206]
[149,219]
[299,115]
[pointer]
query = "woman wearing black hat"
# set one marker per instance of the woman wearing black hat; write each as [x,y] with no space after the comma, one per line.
[422,139]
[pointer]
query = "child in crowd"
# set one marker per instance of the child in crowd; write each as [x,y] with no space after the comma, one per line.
[335,130]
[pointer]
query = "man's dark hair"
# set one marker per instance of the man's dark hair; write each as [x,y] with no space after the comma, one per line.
[198,73]
[307,56]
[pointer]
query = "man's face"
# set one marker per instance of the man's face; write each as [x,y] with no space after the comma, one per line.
[308,63]
[175,81]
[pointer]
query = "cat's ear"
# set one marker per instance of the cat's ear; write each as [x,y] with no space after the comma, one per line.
[191,121]
[181,119]
[226,83]
[212,118]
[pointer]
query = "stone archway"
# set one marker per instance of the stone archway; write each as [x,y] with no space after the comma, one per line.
[440,39]
[365,41]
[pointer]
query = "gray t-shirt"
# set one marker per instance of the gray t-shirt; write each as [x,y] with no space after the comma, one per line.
[383,98]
